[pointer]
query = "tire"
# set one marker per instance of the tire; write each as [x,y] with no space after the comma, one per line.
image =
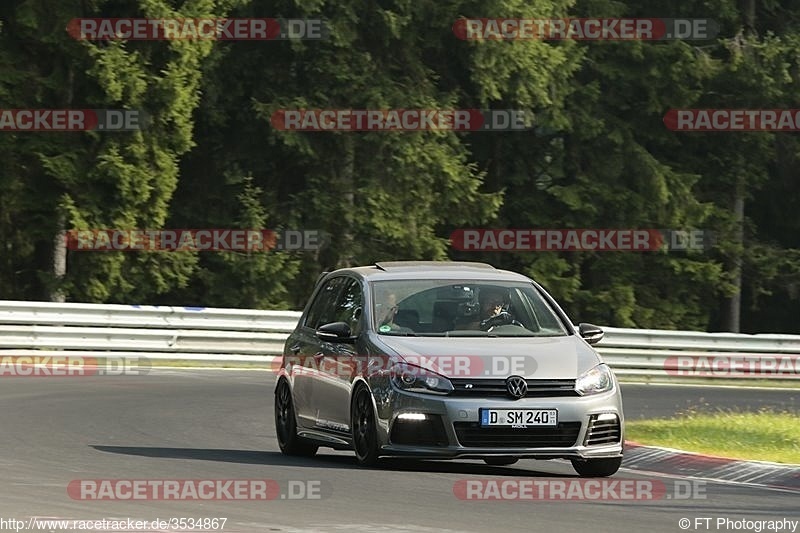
[597,467]
[286,424]
[500,461]
[364,428]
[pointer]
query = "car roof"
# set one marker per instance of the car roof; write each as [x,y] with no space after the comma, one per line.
[399,270]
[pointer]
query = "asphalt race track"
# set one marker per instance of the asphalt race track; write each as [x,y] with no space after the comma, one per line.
[659,401]
[216,424]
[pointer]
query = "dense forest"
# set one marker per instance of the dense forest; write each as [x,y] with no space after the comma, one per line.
[598,155]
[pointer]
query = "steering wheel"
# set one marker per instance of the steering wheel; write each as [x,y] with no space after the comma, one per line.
[500,319]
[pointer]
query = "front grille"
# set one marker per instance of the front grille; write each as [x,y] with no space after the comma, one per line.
[602,431]
[496,388]
[562,436]
[428,432]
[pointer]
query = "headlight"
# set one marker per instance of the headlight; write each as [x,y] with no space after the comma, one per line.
[417,379]
[597,380]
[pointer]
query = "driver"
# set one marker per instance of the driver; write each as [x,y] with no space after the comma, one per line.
[491,302]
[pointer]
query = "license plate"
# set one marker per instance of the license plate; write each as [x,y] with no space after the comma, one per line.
[521,418]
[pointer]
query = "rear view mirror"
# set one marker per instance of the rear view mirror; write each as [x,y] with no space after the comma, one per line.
[335,332]
[590,333]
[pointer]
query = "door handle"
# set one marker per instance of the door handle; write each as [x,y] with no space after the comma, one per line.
[295,349]
[319,355]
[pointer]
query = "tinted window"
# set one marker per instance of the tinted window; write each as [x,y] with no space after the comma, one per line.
[349,305]
[322,311]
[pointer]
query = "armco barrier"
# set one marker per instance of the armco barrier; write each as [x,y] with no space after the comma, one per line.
[236,335]
[649,353]
[157,332]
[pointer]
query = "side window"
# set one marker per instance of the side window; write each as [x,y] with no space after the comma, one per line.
[349,305]
[322,310]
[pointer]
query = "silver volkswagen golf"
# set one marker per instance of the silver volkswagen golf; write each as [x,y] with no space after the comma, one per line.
[446,360]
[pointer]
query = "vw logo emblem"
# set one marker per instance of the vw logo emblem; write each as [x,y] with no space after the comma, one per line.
[517,387]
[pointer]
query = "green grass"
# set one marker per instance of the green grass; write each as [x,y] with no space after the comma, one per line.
[762,436]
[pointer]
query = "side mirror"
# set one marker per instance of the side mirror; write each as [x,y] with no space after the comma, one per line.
[590,333]
[335,332]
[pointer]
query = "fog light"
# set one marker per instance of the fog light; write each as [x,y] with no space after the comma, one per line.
[412,416]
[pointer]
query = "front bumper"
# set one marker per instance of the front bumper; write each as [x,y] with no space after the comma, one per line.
[452,411]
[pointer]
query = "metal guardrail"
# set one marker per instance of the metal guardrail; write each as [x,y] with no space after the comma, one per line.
[156,332]
[648,353]
[235,335]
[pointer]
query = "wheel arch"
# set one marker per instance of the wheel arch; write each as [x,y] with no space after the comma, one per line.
[358,384]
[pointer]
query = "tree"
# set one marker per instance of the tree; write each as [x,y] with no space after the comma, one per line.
[58,181]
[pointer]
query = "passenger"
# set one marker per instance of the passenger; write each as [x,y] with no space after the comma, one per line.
[386,308]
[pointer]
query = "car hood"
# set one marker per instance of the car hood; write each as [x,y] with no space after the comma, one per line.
[564,357]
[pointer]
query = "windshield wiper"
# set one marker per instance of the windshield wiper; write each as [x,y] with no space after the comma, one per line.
[469,333]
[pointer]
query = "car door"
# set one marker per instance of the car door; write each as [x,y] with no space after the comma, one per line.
[306,351]
[340,365]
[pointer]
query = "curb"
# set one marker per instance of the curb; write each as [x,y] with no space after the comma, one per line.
[689,464]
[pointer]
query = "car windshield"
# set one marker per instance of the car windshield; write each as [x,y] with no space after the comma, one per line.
[458,308]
